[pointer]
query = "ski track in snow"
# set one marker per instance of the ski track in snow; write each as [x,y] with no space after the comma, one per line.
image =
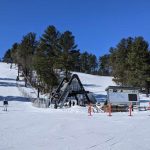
[25,127]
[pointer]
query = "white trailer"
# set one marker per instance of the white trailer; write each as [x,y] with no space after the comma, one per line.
[122,95]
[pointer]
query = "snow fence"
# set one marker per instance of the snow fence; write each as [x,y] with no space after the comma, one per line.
[37,102]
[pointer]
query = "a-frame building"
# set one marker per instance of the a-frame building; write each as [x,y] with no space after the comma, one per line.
[70,89]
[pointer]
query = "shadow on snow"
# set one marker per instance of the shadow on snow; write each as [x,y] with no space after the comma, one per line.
[15,98]
[10,79]
[9,84]
[92,85]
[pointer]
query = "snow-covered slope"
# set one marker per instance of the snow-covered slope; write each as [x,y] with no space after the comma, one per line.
[94,83]
[8,81]
[24,127]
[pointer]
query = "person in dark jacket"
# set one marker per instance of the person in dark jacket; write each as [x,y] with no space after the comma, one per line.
[73,103]
[5,104]
[55,105]
[70,103]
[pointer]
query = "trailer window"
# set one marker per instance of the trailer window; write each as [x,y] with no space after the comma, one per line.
[132,97]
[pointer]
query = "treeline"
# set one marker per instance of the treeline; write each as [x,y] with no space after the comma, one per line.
[129,63]
[44,57]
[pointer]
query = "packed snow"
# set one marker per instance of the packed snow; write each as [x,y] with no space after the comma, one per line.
[96,84]
[24,127]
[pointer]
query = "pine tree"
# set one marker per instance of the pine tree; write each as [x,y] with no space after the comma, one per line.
[7,57]
[84,57]
[76,60]
[104,65]
[26,51]
[14,53]
[46,59]
[119,60]
[15,57]
[139,61]
[92,63]
[130,62]
[88,63]
[68,49]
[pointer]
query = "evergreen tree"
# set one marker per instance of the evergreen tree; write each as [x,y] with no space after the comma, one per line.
[68,51]
[26,51]
[46,58]
[92,60]
[84,57]
[130,62]
[47,78]
[88,63]
[14,53]
[104,65]
[7,57]
[15,56]
[139,61]
[119,60]
[76,60]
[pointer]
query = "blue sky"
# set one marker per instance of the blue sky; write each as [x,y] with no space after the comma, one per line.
[96,24]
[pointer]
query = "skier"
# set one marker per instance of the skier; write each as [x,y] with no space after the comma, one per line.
[5,104]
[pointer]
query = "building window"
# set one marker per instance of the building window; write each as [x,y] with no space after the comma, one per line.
[132,97]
